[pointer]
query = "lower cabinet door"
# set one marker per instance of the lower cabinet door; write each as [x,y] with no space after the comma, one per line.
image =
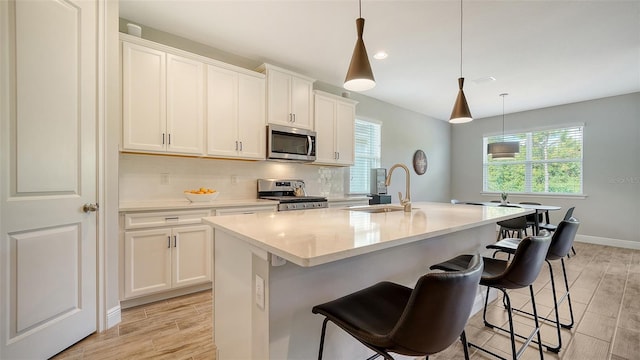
[147,261]
[191,255]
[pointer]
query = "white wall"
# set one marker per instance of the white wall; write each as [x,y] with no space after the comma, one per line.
[611,208]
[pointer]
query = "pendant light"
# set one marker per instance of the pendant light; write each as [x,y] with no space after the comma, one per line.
[461,113]
[503,149]
[359,76]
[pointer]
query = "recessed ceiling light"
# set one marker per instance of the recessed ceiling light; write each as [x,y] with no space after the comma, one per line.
[484,80]
[380,55]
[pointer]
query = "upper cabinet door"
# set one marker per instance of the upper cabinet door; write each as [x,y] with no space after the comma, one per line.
[334,122]
[289,97]
[345,123]
[279,96]
[301,103]
[143,98]
[185,108]
[325,109]
[251,117]
[222,112]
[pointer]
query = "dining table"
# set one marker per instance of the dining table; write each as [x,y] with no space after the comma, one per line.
[539,209]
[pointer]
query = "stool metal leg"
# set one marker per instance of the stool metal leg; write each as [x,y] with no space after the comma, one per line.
[536,332]
[557,302]
[324,329]
[465,345]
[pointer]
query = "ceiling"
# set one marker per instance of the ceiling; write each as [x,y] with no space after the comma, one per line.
[543,53]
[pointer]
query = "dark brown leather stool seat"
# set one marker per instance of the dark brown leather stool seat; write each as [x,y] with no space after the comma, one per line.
[389,317]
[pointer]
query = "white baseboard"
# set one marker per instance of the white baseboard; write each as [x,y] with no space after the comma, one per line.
[114,316]
[626,244]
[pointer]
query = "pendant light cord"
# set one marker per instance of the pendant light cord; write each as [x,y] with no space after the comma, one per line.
[460,38]
[360,8]
[503,95]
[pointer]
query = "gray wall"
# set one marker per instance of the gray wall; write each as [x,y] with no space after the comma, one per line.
[611,162]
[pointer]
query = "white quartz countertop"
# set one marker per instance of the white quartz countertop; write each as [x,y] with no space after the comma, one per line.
[319,236]
[125,206]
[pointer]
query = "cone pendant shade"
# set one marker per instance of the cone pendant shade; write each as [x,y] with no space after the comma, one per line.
[460,113]
[359,77]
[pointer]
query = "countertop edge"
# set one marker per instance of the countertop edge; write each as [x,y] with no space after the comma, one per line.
[344,254]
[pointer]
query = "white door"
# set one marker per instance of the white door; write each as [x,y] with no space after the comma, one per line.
[48,117]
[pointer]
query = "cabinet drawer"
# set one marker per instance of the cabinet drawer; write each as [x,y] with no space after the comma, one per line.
[153,219]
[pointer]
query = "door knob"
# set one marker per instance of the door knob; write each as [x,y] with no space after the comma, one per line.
[90,207]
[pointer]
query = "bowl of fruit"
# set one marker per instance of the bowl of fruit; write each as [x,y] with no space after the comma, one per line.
[201,195]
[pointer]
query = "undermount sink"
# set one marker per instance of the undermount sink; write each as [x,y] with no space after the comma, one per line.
[376,209]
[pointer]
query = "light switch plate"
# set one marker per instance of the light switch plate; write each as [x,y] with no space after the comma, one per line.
[259,291]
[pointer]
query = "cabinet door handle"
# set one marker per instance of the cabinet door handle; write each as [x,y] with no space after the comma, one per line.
[236,145]
[162,138]
[240,145]
[338,155]
[175,240]
[290,117]
[294,117]
[169,242]
[169,139]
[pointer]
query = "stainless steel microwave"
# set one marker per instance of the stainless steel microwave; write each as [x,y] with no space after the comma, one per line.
[290,143]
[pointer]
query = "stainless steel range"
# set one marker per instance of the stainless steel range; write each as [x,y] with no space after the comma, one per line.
[290,194]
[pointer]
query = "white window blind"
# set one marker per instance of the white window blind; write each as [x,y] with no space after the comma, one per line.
[549,162]
[367,155]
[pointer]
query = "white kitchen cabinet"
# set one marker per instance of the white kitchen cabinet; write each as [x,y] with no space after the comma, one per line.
[289,97]
[235,114]
[334,120]
[162,258]
[162,101]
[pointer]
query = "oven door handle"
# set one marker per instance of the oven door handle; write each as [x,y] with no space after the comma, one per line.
[310,151]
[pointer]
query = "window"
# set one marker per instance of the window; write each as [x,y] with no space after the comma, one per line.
[549,162]
[367,155]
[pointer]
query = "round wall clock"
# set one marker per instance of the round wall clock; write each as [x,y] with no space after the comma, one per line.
[420,162]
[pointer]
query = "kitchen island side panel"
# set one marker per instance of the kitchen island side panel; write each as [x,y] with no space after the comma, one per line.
[286,328]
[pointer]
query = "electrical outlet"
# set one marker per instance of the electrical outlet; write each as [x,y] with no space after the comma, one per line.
[259,291]
[164,179]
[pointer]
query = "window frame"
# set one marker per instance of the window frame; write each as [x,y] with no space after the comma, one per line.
[529,163]
[349,181]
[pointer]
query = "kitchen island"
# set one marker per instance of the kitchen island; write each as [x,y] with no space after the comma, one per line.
[270,269]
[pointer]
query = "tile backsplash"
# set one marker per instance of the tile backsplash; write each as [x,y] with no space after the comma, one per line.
[156,177]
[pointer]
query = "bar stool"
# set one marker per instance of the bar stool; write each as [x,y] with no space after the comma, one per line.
[389,317]
[551,227]
[561,244]
[502,275]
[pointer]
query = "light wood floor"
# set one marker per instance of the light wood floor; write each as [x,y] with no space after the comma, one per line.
[605,292]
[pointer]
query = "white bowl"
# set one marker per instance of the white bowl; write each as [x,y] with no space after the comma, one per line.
[201,197]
